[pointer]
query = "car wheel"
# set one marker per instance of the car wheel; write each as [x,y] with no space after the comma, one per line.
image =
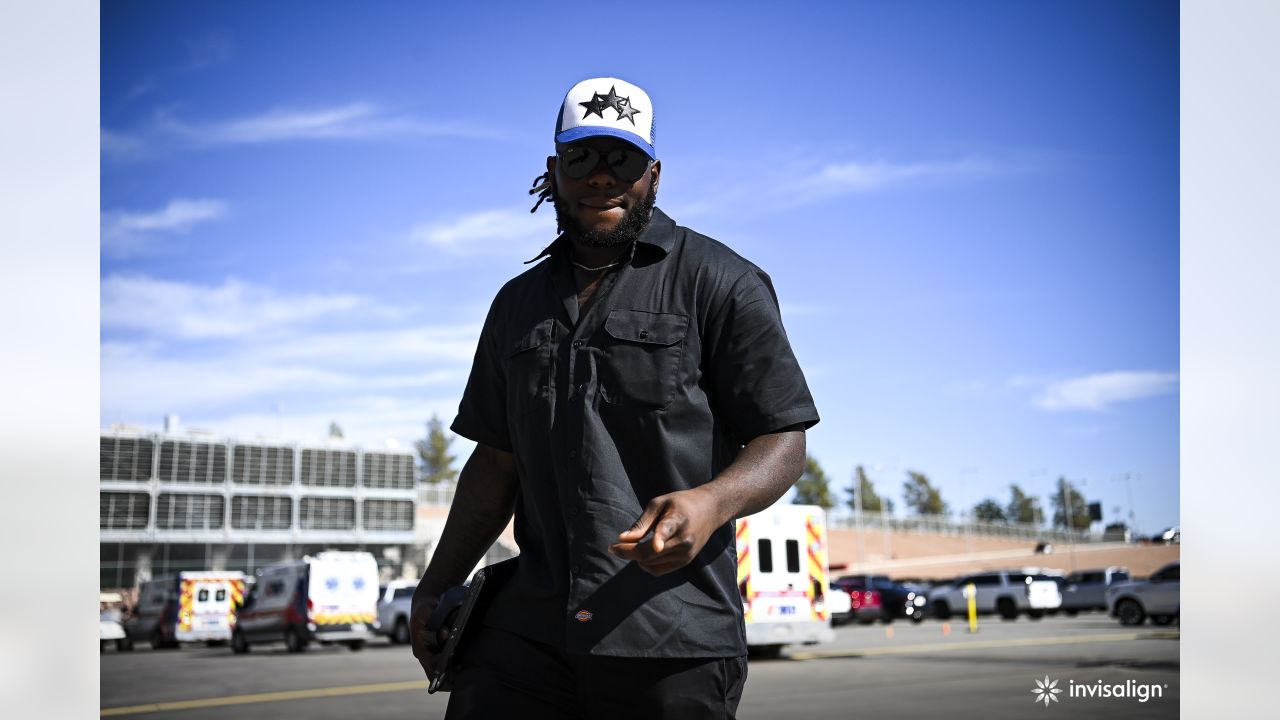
[1130,612]
[293,640]
[157,639]
[400,636]
[1035,614]
[124,644]
[239,644]
[1007,609]
[942,610]
[1161,619]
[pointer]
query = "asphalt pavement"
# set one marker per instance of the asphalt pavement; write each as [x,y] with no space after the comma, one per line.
[933,669]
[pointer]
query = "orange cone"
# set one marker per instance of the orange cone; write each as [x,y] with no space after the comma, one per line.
[946,628]
[888,632]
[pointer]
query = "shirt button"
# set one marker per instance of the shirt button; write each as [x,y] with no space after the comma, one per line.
[644,334]
[577,344]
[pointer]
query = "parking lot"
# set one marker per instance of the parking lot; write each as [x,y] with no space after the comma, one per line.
[900,670]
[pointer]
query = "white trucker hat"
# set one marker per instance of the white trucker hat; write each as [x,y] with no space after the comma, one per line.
[610,107]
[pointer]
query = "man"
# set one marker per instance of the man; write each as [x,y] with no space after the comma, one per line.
[631,395]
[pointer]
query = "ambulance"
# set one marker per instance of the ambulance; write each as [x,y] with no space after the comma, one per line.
[191,606]
[783,577]
[331,597]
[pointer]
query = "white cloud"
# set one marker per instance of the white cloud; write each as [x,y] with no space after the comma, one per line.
[353,121]
[127,233]
[220,356]
[367,420]
[119,146]
[179,310]
[859,176]
[1098,392]
[507,232]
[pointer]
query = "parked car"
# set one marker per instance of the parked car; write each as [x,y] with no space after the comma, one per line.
[395,600]
[877,597]
[1157,598]
[1007,593]
[1086,590]
[111,632]
[839,605]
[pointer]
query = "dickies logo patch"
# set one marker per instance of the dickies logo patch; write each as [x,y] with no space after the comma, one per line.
[583,616]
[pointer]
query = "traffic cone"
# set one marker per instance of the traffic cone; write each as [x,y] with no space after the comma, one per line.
[946,628]
[888,632]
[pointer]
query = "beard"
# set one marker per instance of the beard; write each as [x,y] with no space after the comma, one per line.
[627,231]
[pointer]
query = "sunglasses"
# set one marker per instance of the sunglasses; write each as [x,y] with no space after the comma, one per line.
[578,161]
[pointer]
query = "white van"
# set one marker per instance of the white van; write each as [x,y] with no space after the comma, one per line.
[331,597]
[191,606]
[783,577]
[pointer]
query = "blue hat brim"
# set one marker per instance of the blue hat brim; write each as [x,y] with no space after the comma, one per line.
[586,131]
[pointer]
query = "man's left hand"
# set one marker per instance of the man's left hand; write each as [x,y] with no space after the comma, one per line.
[680,524]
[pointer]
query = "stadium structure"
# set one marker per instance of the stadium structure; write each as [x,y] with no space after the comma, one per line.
[171,501]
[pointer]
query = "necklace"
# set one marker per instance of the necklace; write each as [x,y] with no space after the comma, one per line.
[595,269]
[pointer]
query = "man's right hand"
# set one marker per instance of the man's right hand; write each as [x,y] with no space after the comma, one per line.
[419,612]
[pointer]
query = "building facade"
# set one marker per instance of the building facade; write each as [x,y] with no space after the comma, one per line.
[173,501]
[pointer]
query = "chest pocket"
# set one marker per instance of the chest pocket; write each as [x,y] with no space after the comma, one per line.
[528,370]
[641,365]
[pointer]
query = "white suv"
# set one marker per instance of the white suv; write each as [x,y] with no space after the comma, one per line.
[1004,592]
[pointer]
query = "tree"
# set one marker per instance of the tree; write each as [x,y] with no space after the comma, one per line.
[989,511]
[335,430]
[871,502]
[1023,508]
[920,495]
[1077,506]
[437,463]
[811,488]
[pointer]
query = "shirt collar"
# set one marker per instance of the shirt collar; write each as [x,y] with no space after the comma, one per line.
[659,234]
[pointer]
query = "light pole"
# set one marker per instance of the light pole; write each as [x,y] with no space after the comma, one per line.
[857,518]
[1128,486]
[1066,520]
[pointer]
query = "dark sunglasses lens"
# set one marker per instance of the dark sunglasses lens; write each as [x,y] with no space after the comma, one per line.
[578,162]
[628,165]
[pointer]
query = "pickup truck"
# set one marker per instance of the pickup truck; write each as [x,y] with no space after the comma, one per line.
[1085,590]
[1158,598]
[394,603]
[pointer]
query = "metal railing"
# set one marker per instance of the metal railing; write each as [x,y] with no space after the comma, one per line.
[943,525]
[436,494]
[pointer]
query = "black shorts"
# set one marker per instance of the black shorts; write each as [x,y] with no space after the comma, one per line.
[504,675]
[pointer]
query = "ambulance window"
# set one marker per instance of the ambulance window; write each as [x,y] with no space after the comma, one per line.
[766,556]
[793,556]
[203,595]
[221,595]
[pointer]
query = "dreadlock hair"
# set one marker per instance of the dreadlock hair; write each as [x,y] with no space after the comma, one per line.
[542,186]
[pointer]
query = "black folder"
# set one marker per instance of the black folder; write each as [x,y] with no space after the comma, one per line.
[470,614]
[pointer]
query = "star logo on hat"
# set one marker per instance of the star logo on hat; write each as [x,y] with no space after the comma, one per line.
[621,105]
[594,105]
[626,111]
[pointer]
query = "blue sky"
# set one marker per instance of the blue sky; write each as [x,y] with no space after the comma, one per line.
[969,211]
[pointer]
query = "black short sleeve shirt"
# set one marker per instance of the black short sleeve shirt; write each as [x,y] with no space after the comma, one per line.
[678,361]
